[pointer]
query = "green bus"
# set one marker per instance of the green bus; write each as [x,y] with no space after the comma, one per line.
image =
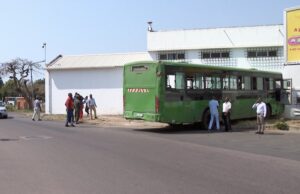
[178,93]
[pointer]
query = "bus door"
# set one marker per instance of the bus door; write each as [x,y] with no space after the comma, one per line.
[283,91]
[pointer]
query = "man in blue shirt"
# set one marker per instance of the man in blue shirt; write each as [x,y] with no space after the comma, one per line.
[214,113]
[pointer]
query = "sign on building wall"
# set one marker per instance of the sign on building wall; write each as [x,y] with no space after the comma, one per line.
[292,34]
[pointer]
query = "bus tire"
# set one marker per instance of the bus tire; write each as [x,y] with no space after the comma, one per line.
[269,111]
[205,119]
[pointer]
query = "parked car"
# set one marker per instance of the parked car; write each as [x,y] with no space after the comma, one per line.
[3,112]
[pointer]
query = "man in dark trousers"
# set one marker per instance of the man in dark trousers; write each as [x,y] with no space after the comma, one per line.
[226,114]
[69,107]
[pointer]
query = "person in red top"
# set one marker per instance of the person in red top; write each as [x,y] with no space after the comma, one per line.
[70,109]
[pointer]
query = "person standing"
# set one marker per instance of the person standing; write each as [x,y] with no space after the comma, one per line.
[77,107]
[92,107]
[214,113]
[226,114]
[261,112]
[86,102]
[69,107]
[36,109]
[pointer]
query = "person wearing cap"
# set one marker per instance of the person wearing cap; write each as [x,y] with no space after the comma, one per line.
[70,109]
[261,113]
[36,109]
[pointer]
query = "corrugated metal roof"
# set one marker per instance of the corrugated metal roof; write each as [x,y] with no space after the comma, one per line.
[232,37]
[96,61]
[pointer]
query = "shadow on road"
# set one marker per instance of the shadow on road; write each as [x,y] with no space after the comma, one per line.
[192,129]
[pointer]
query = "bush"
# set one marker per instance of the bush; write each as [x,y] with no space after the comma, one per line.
[10,107]
[282,125]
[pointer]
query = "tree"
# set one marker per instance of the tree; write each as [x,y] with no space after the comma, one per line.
[39,88]
[8,89]
[18,70]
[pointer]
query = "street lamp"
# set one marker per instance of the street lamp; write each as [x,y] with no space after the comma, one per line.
[32,89]
[45,48]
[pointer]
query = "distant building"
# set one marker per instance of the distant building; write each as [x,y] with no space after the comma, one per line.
[100,75]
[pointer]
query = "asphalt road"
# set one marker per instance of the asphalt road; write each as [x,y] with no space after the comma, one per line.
[46,157]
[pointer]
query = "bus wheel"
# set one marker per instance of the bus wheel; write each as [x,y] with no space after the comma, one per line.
[269,111]
[205,119]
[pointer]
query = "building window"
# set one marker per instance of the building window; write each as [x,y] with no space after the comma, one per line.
[267,52]
[214,54]
[171,56]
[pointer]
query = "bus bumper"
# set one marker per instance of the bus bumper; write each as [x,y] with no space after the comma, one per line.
[141,116]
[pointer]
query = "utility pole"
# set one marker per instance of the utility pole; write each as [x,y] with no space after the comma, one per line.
[45,48]
[31,69]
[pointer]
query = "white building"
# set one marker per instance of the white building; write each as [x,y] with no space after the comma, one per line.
[100,75]
[259,47]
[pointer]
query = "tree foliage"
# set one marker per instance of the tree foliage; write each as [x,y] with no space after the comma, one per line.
[39,88]
[18,70]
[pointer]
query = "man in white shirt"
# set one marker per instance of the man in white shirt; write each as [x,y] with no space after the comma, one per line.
[226,114]
[261,112]
[36,109]
[214,113]
[92,107]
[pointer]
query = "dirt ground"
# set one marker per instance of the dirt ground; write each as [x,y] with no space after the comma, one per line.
[109,120]
[119,121]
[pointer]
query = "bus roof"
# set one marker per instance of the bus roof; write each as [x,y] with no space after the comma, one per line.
[185,64]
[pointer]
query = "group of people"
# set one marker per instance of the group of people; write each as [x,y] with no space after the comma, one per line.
[259,105]
[77,104]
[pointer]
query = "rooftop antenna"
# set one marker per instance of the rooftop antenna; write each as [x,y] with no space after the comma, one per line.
[150,26]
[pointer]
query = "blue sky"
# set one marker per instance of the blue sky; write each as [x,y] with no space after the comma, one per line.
[74,27]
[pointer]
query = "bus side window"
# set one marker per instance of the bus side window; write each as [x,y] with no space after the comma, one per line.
[266,84]
[240,85]
[233,84]
[199,82]
[260,83]
[226,83]
[190,82]
[271,84]
[254,83]
[218,83]
[247,83]
[213,82]
[170,81]
[179,80]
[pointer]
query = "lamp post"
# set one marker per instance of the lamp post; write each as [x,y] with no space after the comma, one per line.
[45,49]
[32,89]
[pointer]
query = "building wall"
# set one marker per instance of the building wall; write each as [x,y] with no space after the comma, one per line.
[232,37]
[106,85]
[238,58]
